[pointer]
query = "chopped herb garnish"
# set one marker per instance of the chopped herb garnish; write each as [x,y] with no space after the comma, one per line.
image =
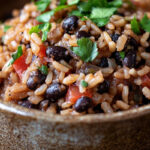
[84,83]
[16,55]
[145,23]
[73,2]
[135,26]
[42,4]
[44,28]
[102,12]
[115,3]
[44,69]
[6,27]
[86,50]
[76,13]
[122,54]
[47,16]
[99,11]
[34,29]
[101,21]
[101,16]
[63,2]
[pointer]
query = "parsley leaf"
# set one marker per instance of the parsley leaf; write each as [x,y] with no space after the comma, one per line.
[34,29]
[86,50]
[101,21]
[99,11]
[42,4]
[116,3]
[47,16]
[6,27]
[73,2]
[43,69]
[145,23]
[44,28]
[76,13]
[16,55]
[135,26]
[84,83]
[122,54]
[62,2]
[98,3]
[102,12]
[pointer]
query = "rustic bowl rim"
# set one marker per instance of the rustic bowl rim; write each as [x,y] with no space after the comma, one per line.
[90,118]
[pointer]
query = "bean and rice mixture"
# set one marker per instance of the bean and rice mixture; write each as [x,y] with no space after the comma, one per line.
[76,57]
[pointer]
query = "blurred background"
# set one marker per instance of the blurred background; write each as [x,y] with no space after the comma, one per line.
[6,6]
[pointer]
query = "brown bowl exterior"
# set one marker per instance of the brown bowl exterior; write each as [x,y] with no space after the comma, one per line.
[24,129]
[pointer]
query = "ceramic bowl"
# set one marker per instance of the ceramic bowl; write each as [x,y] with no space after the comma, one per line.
[26,129]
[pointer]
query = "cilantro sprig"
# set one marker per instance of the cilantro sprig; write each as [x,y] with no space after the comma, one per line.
[84,84]
[122,54]
[144,24]
[43,69]
[47,16]
[6,28]
[86,50]
[42,4]
[62,2]
[73,2]
[135,26]
[15,55]
[99,11]
[44,28]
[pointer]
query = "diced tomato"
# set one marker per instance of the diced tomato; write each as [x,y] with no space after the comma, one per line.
[35,22]
[42,52]
[146,80]
[20,65]
[73,94]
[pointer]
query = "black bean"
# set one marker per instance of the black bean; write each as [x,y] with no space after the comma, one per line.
[141,63]
[103,62]
[83,104]
[145,101]
[103,87]
[117,57]
[70,24]
[35,78]
[131,44]
[26,104]
[55,91]
[130,59]
[57,52]
[44,105]
[34,57]
[28,46]
[82,34]
[115,37]
[98,109]
[147,49]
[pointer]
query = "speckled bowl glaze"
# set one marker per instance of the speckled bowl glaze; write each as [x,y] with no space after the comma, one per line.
[26,129]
